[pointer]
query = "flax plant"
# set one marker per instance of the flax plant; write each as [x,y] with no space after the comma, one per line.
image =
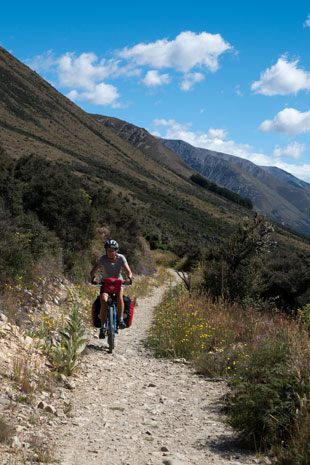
[71,343]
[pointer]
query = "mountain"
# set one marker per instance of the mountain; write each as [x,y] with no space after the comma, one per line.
[275,193]
[155,185]
[287,177]
[148,144]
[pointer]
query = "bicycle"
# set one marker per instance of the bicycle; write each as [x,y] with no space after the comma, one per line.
[112,286]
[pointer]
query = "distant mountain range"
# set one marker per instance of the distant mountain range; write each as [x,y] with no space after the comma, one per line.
[275,193]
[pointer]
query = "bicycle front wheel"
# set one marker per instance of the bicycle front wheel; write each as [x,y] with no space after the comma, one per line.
[111,329]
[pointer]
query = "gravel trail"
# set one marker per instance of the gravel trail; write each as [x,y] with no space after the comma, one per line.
[131,409]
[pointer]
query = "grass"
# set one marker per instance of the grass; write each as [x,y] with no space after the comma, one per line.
[22,374]
[262,355]
[5,430]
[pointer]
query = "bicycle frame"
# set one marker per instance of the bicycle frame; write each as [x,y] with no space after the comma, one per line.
[112,287]
[112,303]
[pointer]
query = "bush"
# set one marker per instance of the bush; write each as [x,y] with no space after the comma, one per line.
[58,199]
[232,269]
[285,278]
[24,241]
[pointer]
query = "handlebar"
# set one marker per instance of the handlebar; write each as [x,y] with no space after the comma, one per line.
[126,282]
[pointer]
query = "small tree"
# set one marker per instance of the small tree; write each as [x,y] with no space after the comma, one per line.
[231,269]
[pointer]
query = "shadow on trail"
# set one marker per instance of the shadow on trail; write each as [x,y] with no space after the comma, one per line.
[98,348]
[225,447]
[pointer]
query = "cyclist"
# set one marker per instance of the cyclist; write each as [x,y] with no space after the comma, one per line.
[112,263]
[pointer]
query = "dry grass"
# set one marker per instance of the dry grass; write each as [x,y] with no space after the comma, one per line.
[5,430]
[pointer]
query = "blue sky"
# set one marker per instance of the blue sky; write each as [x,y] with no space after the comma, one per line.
[228,76]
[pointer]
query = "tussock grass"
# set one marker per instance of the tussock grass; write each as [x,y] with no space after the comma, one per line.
[5,430]
[22,374]
[264,357]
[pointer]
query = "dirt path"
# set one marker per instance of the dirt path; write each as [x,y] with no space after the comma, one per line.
[132,409]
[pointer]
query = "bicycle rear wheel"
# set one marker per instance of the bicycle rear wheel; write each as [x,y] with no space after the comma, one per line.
[111,329]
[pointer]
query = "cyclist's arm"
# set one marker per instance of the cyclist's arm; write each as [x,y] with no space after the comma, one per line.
[129,272]
[93,271]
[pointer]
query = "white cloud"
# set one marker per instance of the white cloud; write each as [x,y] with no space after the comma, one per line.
[216,139]
[288,121]
[83,71]
[237,90]
[84,74]
[101,94]
[307,22]
[73,95]
[190,79]
[293,150]
[185,52]
[42,62]
[153,79]
[283,78]
[217,133]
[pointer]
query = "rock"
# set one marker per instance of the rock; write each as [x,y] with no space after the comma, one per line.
[4,401]
[175,461]
[15,443]
[67,383]
[46,407]
[19,428]
[164,449]
[3,317]
[28,341]
[50,409]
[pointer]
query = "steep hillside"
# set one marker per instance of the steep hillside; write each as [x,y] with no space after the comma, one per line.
[275,196]
[144,141]
[36,119]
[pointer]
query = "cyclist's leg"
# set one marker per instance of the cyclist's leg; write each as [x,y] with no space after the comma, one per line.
[103,307]
[120,308]
[120,304]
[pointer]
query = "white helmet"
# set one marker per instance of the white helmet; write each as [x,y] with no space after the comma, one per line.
[111,244]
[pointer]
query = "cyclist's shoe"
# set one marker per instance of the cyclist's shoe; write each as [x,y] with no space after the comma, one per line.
[122,324]
[102,332]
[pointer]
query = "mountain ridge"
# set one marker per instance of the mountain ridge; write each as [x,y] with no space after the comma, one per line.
[271,193]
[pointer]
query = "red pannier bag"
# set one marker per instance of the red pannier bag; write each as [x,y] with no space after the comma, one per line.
[128,310]
[112,285]
[95,311]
